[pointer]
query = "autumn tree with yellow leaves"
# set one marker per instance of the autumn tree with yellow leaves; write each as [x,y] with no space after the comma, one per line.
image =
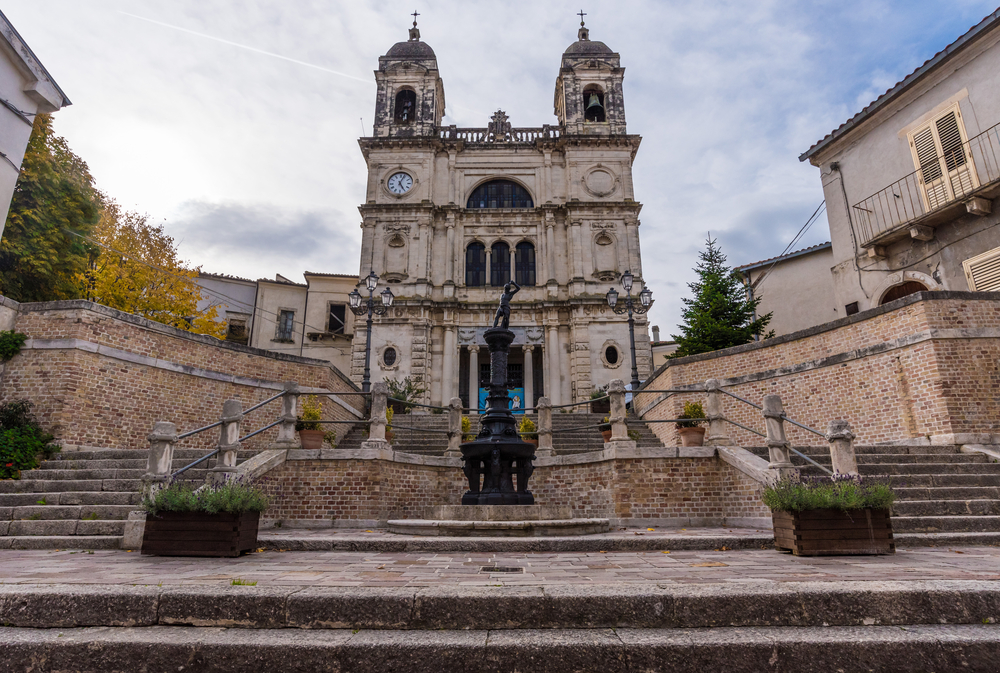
[134,268]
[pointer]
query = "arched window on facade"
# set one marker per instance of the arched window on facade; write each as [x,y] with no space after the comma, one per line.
[475,264]
[499,264]
[524,263]
[593,104]
[500,194]
[406,106]
[899,291]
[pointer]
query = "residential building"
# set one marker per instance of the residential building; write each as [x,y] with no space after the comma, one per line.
[910,180]
[26,89]
[795,288]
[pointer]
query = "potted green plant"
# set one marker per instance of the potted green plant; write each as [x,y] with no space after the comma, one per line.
[402,393]
[389,413]
[214,520]
[690,432]
[600,403]
[527,430]
[310,430]
[467,435]
[605,428]
[826,516]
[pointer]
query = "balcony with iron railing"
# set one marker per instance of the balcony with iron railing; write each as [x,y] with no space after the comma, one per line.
[943,189]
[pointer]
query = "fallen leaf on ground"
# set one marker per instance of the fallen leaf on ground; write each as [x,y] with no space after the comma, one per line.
[666,552]
[602,552]
[650,529]
[638,533]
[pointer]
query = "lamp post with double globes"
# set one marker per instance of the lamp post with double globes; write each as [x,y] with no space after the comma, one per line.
[645,303]
[360,307]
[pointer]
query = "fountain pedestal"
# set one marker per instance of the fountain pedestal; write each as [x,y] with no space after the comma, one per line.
[497,454]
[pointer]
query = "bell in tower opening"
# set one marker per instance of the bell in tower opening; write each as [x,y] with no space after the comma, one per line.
[593,101]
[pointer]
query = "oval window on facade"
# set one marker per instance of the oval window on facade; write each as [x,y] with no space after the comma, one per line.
[611,355]
[389,356]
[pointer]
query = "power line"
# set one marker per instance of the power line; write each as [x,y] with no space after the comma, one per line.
[185,279]
[805,227]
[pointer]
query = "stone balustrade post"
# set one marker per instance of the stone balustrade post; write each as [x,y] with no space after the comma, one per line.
[454,428]
[287,438]
[544,411]
[777,441]
[717,435]
[229,442]
[376,431]
[616,394]
[159,464]
[841,440]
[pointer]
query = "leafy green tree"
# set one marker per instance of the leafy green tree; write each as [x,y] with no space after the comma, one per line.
[40,260]
[720,315]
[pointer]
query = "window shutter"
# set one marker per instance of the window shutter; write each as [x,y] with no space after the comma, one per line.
[940,154]
[983,271]
[930,168]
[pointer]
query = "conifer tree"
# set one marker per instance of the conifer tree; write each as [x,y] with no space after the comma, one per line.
[40,259]
[719,315]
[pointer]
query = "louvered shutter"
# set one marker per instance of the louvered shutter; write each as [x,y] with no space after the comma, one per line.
[929,163]
[939,151]
[983,271]
[953,151]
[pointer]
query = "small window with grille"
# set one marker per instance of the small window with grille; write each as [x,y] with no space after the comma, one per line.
[286,326]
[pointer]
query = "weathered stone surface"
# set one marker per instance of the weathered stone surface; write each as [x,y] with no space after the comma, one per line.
[77,605]
[351,607]
[500,512]
[233,606]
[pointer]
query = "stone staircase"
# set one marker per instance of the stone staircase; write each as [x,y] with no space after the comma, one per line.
[940,489]
[565,440]
[81,499]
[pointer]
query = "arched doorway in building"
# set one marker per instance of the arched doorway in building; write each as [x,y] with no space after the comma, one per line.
[898,291]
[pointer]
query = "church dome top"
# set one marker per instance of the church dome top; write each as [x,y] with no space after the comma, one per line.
[587,48]
[412,48]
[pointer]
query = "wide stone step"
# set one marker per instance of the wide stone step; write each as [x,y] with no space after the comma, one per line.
[946,508]
[69,498]
[45,485]
[61,542]
[48,512]
[944,524]
[94,464]
[929,468]
[65,527]
[912,480]
[948,493]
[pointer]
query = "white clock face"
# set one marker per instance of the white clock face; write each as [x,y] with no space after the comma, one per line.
[399,183]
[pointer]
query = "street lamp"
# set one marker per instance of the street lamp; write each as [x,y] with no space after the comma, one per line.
[360,306]
[645,303]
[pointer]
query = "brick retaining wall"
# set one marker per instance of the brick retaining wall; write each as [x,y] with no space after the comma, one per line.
[101,378]
[369,490]
[922,367]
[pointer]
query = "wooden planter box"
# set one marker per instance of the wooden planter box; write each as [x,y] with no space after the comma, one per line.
[200,534]
[831,532]
[602,405]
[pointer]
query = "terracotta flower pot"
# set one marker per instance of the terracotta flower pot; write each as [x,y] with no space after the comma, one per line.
[606,434]
[311,439]
[533,442]
[691,436]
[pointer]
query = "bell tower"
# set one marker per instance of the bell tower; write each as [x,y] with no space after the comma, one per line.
[588,99]
[410,99]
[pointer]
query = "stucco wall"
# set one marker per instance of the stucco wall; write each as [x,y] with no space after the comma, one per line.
[922,367]
[102,378]
[798,291]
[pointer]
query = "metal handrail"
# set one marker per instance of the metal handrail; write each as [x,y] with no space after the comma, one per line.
[740,425]
[195,432]
[257,432]
[417,404]
[188,467]
[805,457]
[571,404]
[267,401]
[804,427]
[579,427]
[344,422]
[393,426]
[671,391]
[756,406]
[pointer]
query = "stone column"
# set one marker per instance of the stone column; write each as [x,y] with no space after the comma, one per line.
[544,428]
[376,430]
[454,428]
[450,247]
[842,447]
[448,364]
[474,379]
[229,442]
[550,248]
[489,267]
[576,249]
[716,420]
[777,442]
[529,377]
[159,463]
[552,351]
[287,438]
[616,395]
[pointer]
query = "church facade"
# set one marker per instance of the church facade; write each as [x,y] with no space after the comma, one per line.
[452,214]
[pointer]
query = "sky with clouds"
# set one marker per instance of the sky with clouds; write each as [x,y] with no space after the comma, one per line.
[235,122]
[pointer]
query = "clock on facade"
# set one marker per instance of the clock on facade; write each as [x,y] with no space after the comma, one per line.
[399,183]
